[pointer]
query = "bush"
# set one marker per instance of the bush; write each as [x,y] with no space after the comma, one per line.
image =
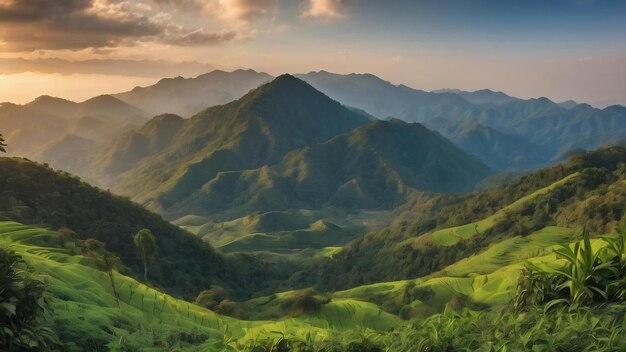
[303,301]
[22,308]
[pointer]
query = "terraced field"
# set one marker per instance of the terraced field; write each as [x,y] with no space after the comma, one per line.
[451,236]
[488,278]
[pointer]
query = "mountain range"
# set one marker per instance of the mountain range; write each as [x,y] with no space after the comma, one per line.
[547,128]
[246,193]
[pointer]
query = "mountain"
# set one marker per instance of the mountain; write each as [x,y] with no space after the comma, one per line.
[187,96]
[69,153]
[255,130]
[375,166]
[568,104]
[498,150]
[482,96]
[103,106]
[31,128]
[548,129]
[383,99]
[134,145]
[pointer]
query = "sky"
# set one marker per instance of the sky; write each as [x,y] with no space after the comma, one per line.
[75,49]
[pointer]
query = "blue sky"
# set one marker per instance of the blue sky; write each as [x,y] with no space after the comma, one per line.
[557,48]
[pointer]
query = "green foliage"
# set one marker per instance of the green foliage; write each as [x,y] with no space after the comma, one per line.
[588,190]
[303,301]
[561,330]
[211,298]
[22,308]
[34,194]
[588,277]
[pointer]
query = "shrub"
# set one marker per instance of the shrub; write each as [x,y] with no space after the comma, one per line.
[22,308]
[303,301]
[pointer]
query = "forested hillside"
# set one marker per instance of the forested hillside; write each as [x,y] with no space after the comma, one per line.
[31,193]
[587,191]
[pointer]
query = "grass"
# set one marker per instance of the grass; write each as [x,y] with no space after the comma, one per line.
[281,223]
[86,312]
[451,236]
[320,234]
[488,278]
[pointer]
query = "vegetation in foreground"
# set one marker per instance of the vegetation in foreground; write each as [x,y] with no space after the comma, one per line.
[91,312]
[514,291]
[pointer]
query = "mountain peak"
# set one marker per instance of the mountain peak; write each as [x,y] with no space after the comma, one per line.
[286,87]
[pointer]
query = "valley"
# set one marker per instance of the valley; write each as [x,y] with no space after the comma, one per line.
[278,218]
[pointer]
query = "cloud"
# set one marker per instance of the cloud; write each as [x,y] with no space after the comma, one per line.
[199,37]
[234,12]
[240,12]
[330,9]
[28,25]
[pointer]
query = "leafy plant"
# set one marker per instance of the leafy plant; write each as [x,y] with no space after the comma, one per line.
[588,277]
[22,308]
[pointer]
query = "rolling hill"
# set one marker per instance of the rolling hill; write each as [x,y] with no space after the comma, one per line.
[35,194]
[434,232]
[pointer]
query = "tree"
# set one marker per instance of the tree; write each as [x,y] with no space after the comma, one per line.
[2,145]
[210,298]
[146,245]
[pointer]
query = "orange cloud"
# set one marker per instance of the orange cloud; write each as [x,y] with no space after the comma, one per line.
[28,25]
[325,8]
[240,12]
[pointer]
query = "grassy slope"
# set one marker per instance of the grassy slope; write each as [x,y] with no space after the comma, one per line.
[221,233]
[85,306]
[451,236]
[488,278]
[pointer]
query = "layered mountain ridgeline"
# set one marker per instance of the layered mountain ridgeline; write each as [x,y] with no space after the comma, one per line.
[187,96]
[547,128]
[500,150]
[434,232]
[256,130]
[48,129]
[375,166]
[482,96]
[283,148]
[184,265]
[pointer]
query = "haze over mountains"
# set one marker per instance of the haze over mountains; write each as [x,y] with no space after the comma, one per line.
[399,203]
[549,129]
[287,144]
[187,96]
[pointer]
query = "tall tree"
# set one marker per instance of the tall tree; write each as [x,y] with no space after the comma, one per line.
[146,245]
[2,145]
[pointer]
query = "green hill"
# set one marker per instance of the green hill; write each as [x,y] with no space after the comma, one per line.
[33,194]
[434,232]
[375,166]
[88,316]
